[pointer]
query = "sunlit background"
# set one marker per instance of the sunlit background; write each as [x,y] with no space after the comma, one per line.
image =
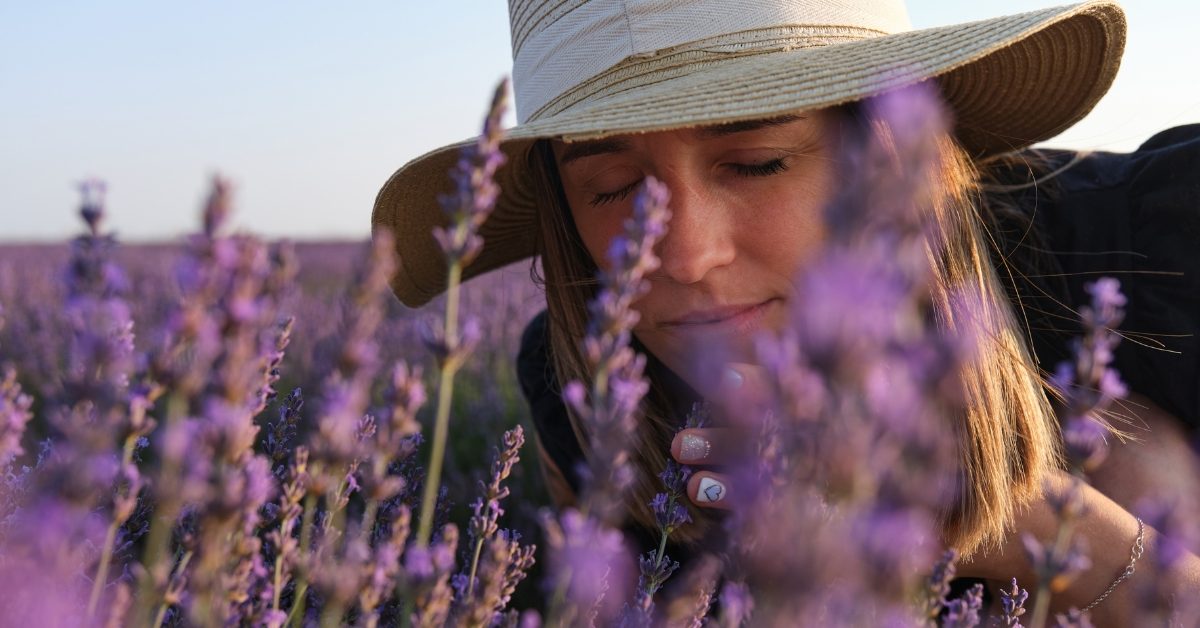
[309,106]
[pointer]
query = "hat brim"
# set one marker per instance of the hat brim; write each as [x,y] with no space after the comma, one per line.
[1010,82]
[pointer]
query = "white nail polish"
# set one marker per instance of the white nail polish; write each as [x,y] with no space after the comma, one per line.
[733,379]
[710,490]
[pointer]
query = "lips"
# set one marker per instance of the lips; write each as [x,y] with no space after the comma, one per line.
[729,315]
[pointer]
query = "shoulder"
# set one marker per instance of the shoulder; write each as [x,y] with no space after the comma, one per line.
[1134,216]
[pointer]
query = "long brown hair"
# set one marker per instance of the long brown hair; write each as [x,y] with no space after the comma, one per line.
[1007,435]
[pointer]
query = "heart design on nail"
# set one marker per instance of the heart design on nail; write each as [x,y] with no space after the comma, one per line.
[710,490]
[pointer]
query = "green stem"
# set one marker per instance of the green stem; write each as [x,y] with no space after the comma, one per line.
[559,599]
[1041,608]
[382,462]
[276,591]
[331,616]
[110,538]
[441,426]
[368,520]
[297,610]
[662,549]
[162,608]
[474,566]
[407,613]
[163,518]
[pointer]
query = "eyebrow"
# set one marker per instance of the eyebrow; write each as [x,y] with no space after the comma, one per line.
[579,150]
[721,130]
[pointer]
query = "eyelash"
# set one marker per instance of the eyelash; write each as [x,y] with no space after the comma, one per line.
[766,169]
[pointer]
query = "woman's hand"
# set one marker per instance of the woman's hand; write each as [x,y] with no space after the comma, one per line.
[741,392]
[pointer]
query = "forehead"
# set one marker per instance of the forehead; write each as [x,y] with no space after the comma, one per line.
[573,151]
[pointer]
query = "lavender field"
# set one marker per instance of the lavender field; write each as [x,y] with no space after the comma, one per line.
[38,340]
[227,431]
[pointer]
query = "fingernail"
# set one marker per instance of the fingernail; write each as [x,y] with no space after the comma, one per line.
[710,490]
[693,448]
[733,379]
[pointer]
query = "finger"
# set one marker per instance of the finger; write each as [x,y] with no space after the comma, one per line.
[743,394]
[709,490]
[709,445]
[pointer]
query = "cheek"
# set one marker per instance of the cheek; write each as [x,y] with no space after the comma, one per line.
[784,229]
[597,228]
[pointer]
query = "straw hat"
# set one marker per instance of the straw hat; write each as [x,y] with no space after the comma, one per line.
[590,68]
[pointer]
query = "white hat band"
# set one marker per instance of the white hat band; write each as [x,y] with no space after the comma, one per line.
[559,45]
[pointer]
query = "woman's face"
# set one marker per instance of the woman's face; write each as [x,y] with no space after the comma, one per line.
[746,203]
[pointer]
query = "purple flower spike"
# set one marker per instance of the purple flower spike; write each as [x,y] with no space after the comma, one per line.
[607,407]
[1055,570]
[485,522]
[92,208]
[964,612]
[14,415]
[937,586]
[1074,618]
[1086,442]
[1012,605]
[218,206]
[475,189]
[736,604]
[590,561]
[1089,385]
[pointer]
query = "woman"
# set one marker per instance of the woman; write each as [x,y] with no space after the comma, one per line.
[738,108]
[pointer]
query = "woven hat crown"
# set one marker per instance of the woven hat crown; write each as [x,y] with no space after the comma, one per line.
[560,46]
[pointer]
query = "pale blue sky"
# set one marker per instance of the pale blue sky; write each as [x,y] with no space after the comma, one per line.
[309,106]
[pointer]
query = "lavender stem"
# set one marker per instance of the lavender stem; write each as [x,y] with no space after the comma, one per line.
[162,608]
[297,610]
[110,537]
[441,426]
[165,513]
[1041,608]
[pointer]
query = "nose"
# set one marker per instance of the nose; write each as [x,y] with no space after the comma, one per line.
[699,236]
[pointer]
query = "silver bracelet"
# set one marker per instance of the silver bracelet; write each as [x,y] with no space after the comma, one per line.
[1134,555]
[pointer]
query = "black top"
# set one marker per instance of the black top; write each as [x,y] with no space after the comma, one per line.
[1133,216]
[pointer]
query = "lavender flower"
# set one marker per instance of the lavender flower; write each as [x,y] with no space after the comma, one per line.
[280,433]
[938,583]
[475,196]
[484,523]
[14,415]
[1012,604]
[282,541]
[475,189]
[607,405]
[1089,385]
[654,568]
[737,604]
[383,571]
[1056,567]
[1074,618]
[854,452]
[589,560]
[504,566]
[1162,591]
[964,612]
[428,569]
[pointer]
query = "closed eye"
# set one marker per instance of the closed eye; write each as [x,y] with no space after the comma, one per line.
[765,169]
[604,198]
